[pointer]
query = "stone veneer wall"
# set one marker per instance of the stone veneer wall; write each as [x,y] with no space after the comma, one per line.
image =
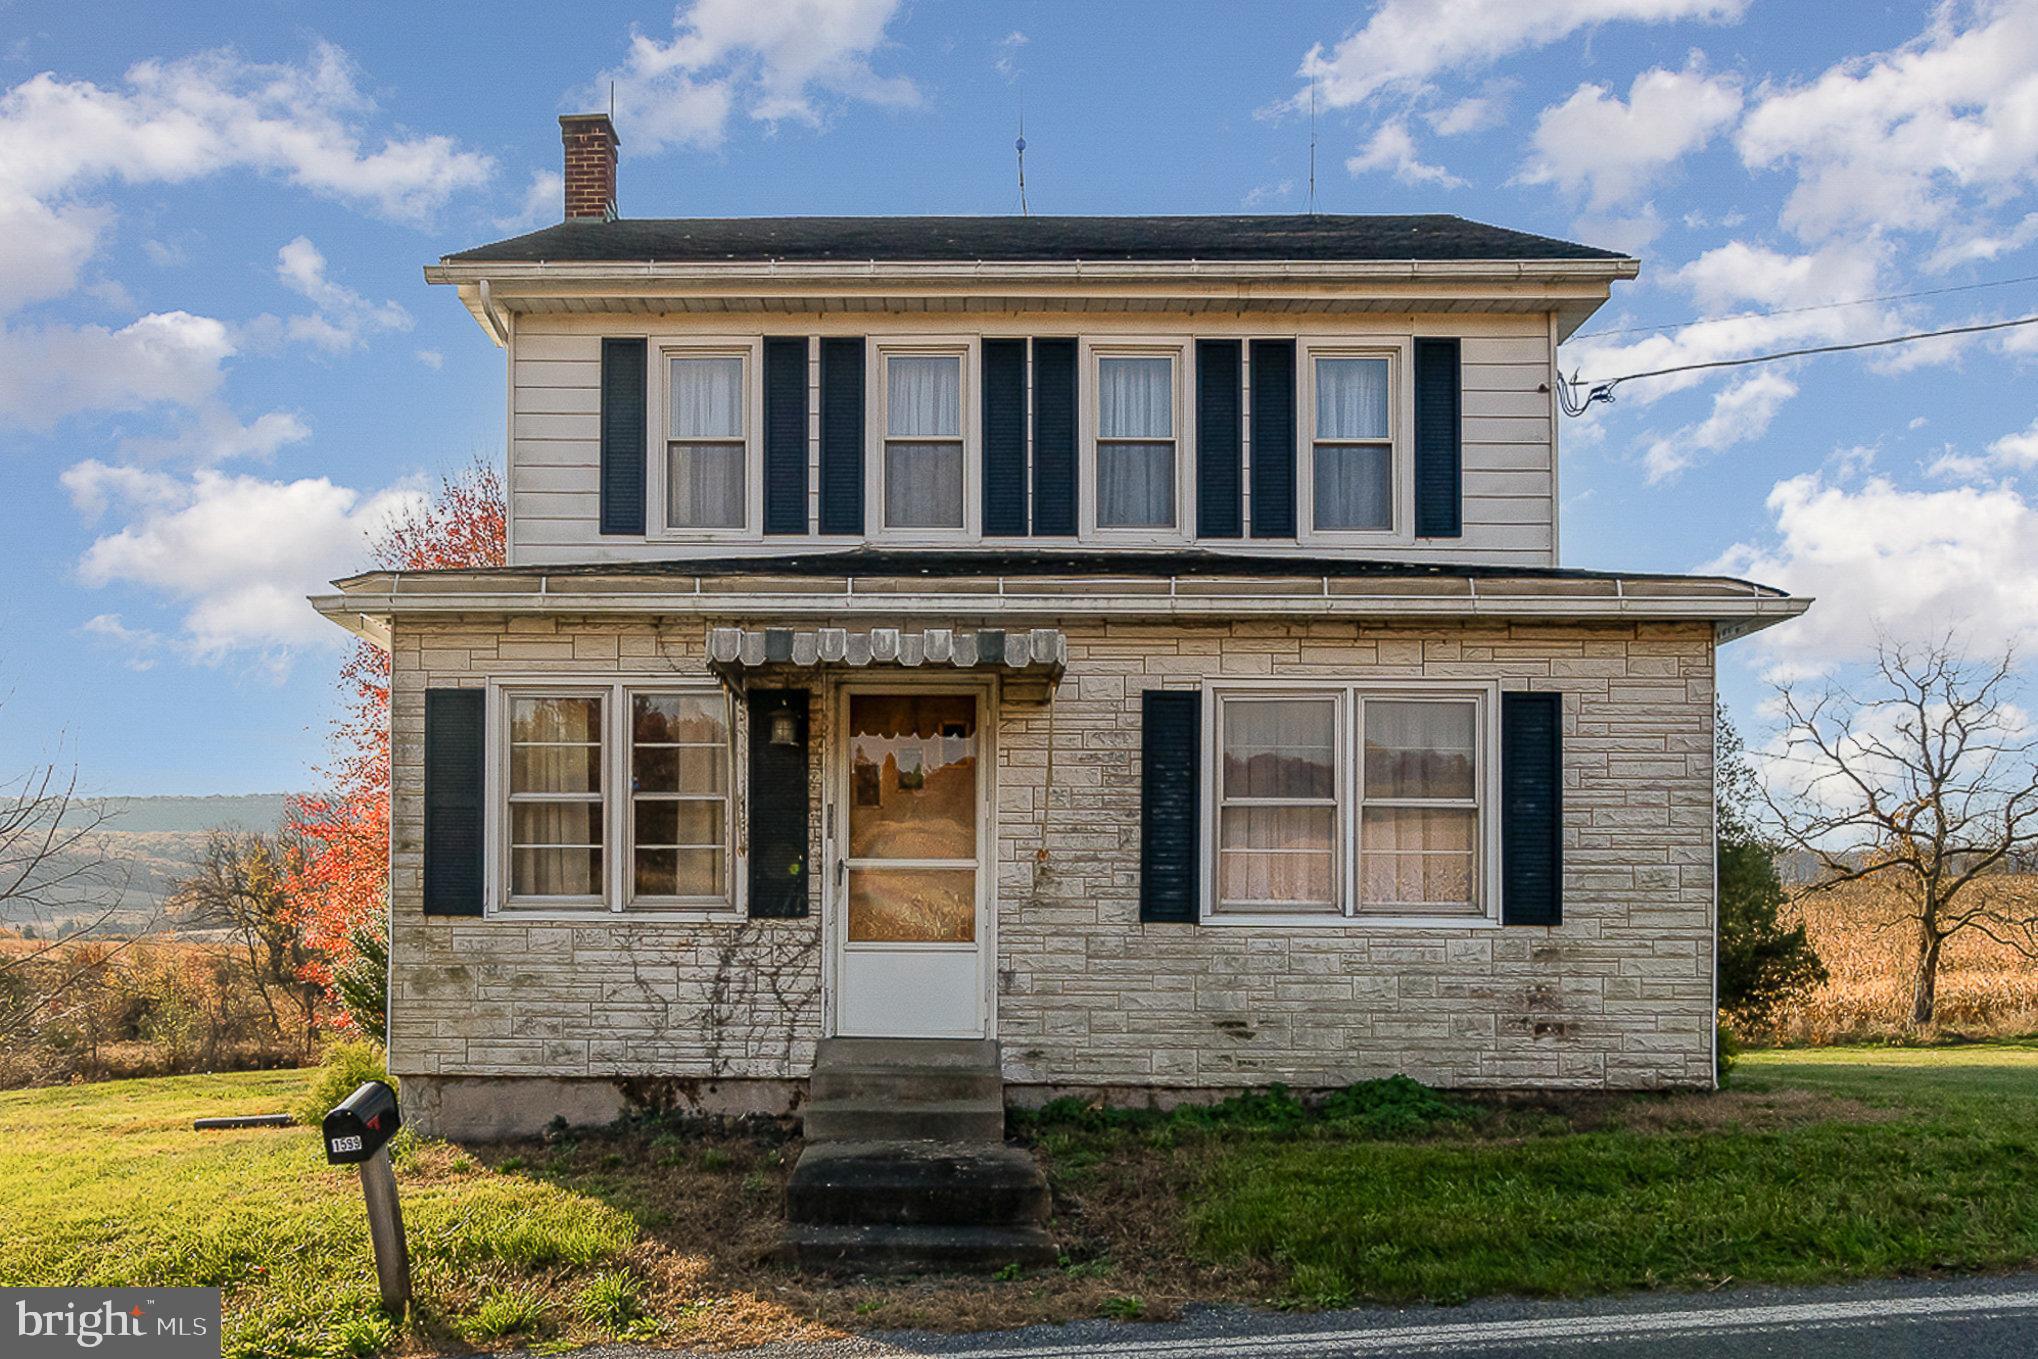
[1620,995]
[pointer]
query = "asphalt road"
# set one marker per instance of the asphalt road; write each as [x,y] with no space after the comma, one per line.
[1988,1318]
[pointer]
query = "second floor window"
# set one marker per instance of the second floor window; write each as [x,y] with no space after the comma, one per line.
[923,454]
[1136,442]
[1352,467]
[706,449]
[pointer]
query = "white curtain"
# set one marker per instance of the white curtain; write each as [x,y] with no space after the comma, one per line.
[707,399]
[923,485]
[1135,485]
[923,396]
[1419,750]
[704,485]
[1136,398]
[1353,486]
[1280,749]
[1351,398]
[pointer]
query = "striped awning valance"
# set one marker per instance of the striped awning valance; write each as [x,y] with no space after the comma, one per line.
[1038,652]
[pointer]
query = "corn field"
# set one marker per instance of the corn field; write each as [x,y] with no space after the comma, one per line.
[1985,988]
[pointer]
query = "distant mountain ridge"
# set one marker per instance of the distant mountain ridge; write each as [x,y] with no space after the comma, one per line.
[137,815]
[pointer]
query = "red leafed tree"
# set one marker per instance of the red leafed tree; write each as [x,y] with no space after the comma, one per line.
[340,888]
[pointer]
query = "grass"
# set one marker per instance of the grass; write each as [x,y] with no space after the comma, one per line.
[1816,1164]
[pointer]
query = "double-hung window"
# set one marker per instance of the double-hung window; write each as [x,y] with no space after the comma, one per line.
[1137,463]
[924,470]
[707,441]
[1351,470]
[1352,800]
[614,796]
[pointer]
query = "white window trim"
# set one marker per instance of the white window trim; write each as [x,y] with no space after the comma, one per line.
[618,830]
[1349,915]
[967,348]
[1089,388]
[1399,352]
[750,349]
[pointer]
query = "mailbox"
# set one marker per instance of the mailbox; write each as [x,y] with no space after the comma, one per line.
[359,1124]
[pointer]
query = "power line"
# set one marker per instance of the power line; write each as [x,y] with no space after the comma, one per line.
[1573,404]
[1816,306]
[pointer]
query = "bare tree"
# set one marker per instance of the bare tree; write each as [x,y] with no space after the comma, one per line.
[54,857]
[1928,785]
[241,886]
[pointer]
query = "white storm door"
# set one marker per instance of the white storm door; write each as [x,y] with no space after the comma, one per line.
[908,918]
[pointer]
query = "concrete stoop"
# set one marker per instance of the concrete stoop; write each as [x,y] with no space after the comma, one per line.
[905,1167]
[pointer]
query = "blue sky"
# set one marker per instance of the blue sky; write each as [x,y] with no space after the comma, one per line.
[219,364]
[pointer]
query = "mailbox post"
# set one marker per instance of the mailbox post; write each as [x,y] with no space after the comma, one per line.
[357,1133]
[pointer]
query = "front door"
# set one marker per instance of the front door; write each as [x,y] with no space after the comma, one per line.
[909,832]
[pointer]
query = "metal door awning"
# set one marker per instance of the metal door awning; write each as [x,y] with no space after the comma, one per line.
[1037,653]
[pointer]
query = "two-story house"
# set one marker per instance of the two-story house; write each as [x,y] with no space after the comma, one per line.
[1138,641]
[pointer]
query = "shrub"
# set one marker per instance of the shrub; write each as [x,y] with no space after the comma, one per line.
[505,1312]
[344,1067]
[611,1300]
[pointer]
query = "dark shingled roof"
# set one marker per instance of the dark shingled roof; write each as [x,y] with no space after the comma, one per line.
[703,240]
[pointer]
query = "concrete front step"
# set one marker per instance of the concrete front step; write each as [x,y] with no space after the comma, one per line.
[913,1054]
[914,1250]
[890,1084]
[916,1184]
[893,1120]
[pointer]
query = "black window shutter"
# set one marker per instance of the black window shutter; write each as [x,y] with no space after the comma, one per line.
[1170,805]
[1439,441]
[779,806]
[842,434]
[785,434]
[1004,384]
[1273,438]
[623,445]
[1219,483]
[1054,438]
[454,791]
[1531,809]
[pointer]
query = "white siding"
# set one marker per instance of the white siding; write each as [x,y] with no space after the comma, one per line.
[1509,507]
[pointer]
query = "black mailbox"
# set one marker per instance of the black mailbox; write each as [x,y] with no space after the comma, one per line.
[359,1124]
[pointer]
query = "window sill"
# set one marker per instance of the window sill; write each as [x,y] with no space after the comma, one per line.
[1325,921]
[602,915]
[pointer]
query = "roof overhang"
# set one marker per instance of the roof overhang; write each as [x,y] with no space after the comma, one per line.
[1572,289]
[368,604]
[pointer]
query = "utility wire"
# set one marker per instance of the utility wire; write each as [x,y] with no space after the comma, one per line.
[1574,404]
[1816,306]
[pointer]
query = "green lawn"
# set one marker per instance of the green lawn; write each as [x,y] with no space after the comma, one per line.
[1817,1164]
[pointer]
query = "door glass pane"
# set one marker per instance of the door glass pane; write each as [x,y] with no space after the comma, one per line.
[912,905]
[923,396]
[1280,748]
[912,777]
[923,485]
[1352,486]
[1351,398]
[1420,750]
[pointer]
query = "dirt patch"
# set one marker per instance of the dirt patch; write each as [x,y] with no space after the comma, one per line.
[1747,1111]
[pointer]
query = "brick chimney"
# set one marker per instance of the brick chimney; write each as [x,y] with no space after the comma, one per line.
[591,144]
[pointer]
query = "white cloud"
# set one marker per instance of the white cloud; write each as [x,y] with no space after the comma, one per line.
[544,201]
[344,317]
[1609,152]
[2018,450]
[1475,113]
[1924,137]
[238,554]
[140,644]
[1407,43]
[173,122]
[1392,149]
[52,371]
[1740,412]
[44,248]
[431,358]
[1883,559]
[1629,232]
[771,59]
[1262,194]
[213,434]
